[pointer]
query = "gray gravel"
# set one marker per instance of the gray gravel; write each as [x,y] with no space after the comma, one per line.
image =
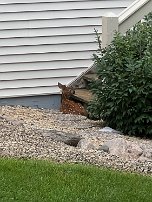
[24,134]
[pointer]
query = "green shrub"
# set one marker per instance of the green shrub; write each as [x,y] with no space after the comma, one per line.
[123,91]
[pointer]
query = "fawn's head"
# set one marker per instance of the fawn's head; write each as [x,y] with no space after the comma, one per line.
[66,91]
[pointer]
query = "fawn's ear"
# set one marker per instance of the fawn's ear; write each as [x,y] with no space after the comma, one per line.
[60,85]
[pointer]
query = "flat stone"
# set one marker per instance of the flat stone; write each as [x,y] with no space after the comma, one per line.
[109,130]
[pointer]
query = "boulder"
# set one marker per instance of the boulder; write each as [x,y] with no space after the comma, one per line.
[105,148]
[134,150]
[86,144]
[123,148]
[67,138]
[116,146]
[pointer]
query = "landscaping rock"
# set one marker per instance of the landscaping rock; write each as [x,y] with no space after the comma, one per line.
[66,138]
[116,146]
[105,148]
[123,148]
[134,150]
[109,130]
[49,134]
[86,144]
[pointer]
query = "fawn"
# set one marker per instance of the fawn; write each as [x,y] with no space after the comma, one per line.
[69,106]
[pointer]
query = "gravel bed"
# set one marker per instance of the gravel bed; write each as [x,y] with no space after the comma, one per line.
[24,134]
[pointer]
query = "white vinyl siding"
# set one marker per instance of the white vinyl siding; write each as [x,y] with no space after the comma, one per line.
[43,42]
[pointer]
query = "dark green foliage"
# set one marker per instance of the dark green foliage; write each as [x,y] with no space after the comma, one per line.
[123,92]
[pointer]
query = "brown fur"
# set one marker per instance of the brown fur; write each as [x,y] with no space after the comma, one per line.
[69,106]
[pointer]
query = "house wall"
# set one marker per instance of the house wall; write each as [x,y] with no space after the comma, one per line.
[46,41]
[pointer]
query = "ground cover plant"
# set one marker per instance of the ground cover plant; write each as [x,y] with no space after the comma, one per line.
[42,181]
[123,91]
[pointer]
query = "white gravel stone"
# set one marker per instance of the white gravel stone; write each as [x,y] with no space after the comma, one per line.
[23,135]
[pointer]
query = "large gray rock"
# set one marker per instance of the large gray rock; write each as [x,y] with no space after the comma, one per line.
[86,144]
[123,148]
[134,150]
[67,138]
[104,148]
